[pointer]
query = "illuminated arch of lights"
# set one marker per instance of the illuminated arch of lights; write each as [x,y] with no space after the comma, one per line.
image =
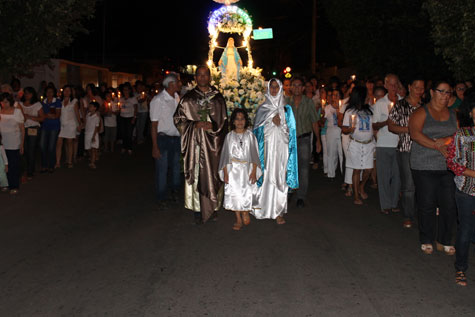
[229,19]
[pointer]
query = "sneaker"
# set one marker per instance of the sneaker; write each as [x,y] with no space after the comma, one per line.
[407,223]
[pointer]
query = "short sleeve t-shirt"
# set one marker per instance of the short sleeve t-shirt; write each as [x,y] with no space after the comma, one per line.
[51,107]
[127,107]
[10,129]
[381,113]
[331,114]
[110,119]
[362,121]
[31,110]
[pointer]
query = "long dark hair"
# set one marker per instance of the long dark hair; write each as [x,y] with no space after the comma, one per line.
[71,97]
[8,97]
[466,108]
[234,115]
[358,100]
[34,96]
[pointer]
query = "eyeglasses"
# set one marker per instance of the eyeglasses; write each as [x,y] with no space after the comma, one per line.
[444,92]
[461,88]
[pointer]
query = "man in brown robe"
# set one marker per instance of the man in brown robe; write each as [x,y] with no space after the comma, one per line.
[201,118]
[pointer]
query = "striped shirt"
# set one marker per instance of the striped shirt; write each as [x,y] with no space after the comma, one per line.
[400,114]
[460,156]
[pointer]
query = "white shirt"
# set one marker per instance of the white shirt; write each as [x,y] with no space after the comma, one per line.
[331,114]
[380,114]
[363,125]
[162,109]
[31,110]
[92,121]
[110,120]
[10,129]
[127,107]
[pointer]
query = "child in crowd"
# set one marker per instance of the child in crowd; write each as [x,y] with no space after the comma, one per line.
[3,167]
[111,110]
[91,134]
[239,168]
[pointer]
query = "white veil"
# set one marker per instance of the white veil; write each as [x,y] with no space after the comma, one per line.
[271,105]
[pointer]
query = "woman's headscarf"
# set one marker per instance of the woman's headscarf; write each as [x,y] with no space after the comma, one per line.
[271,105]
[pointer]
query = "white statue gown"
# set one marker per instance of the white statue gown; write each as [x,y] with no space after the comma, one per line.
[270,200]
[240,152]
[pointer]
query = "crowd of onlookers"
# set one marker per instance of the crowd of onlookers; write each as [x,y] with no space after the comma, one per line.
[415,142]
[48,128]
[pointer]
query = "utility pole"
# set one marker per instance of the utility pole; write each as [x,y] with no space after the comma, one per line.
[313,64]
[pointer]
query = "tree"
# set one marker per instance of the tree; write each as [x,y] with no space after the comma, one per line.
[34,30]
[378,37]
[453,31]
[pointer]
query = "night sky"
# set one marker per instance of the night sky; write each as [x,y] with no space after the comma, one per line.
[177,30]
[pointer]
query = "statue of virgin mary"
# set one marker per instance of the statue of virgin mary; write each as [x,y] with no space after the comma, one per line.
[230,62]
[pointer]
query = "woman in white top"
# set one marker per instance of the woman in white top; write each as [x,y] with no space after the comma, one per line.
[70,125]
[110,111]
[34,115]
[128,105]
[13,136]
[357,122]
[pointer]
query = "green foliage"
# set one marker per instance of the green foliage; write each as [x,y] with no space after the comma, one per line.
[34,30]
[378,37]
[453,31]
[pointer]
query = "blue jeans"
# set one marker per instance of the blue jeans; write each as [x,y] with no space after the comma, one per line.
[170,148]
[465,229]
[14,163]
[48,141]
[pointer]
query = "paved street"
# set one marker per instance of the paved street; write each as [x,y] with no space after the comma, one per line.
[92,243]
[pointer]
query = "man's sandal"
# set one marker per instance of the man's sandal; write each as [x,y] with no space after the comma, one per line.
[427,248]
[280,220]
[460,278]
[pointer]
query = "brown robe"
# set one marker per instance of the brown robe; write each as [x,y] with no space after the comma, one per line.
[210,142]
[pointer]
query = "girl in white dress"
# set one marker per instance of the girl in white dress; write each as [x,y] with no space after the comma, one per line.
[91,133]
[357,122]
[70,120]
[239,168]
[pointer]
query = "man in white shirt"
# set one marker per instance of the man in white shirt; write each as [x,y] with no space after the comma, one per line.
[165,140]
[389,182]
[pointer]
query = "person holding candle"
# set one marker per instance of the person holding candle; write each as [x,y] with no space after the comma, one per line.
[389,182]
[461,160]
[334,152]
[357,123]
[165,142]
[201,118]
[345,141]
[110,111]
[399,123]
[91,132]
[70,124]
[431,128]
[50,130]
[128,106]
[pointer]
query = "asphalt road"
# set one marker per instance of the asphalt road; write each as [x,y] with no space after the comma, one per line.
[93,243]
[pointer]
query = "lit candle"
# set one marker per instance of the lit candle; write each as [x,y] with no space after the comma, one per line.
[374,100]
[42,98]
[391,105]
[339,104]
[156,91]
[353,120]
[353,77]
[323,102]
[118,105]
[113,95]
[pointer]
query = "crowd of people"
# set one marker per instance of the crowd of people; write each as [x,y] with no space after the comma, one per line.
[62,127]
[414,143]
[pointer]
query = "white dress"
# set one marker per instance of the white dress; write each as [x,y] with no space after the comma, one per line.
[362,146]
[68,120]
[240,152]
[92,121]
[10,129]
